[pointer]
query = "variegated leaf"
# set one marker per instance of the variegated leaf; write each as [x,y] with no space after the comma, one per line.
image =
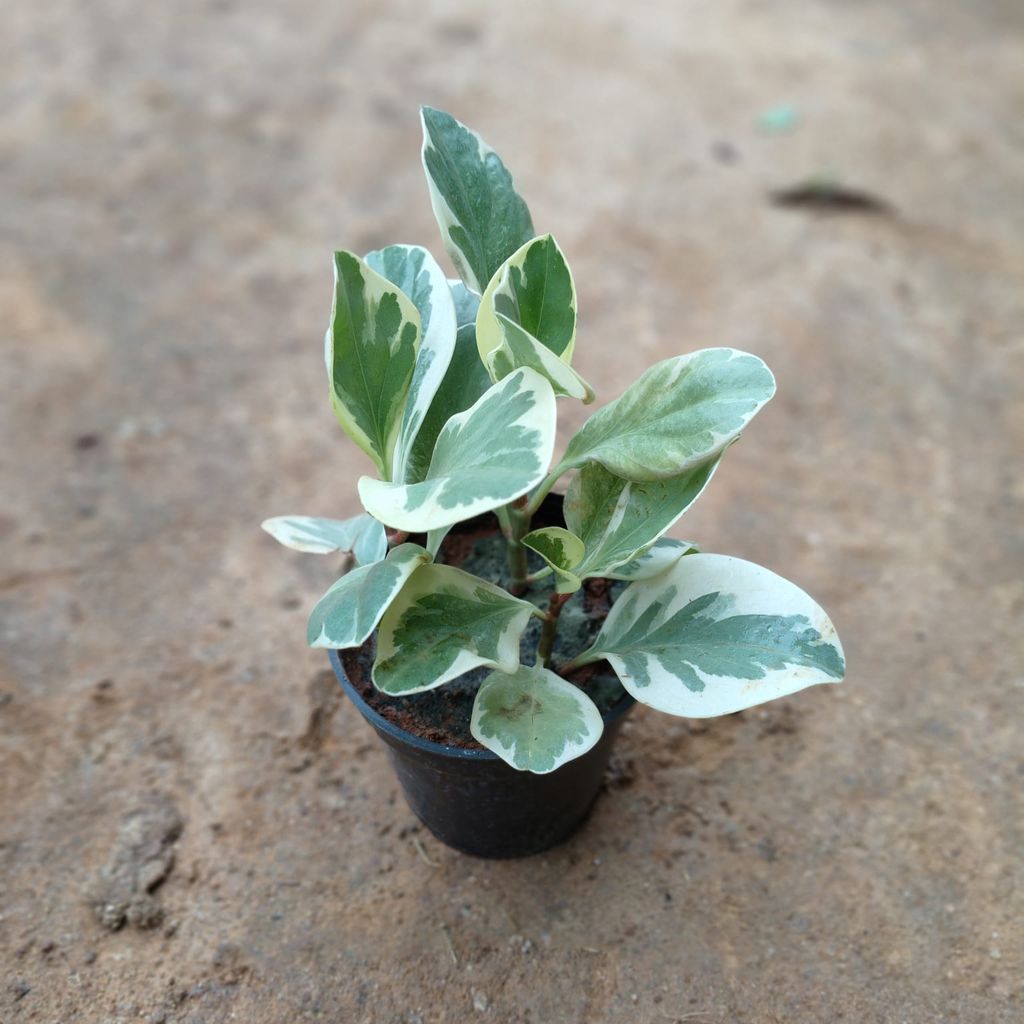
[416,272]
[467,303]
[465,381]
[680,413]
[562,551]
[517,348]
[534,289]
[484,457]
[482,218]
[349,612]
[618,519]
[715,635]
[362,535]
[658,558]
[370,350]
[443,623]
[534,720]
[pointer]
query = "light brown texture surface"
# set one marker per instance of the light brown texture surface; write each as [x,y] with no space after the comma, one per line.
[174,178]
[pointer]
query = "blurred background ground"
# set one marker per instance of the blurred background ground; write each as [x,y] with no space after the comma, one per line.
[174,178]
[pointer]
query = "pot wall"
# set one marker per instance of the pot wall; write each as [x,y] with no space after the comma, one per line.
[473,801]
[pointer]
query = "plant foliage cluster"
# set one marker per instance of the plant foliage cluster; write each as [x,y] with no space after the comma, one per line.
[450,387]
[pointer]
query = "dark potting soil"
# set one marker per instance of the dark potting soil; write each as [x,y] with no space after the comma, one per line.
[442,715]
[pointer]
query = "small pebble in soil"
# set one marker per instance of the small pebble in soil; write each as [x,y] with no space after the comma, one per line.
[86,442]
[141,858]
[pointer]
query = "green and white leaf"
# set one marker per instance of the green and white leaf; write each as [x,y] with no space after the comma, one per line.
[680,413]
[534,720]
[464,382]
[349,612]
[618,520]
[467,303]
[416,272]
[715,635]
[370,350]
[443,623]
[534,289]
[659,558]
[484,457]
[482,218]
[362,535]
[517,348]
[562,551]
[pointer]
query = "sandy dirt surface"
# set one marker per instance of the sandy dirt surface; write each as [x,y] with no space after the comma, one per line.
[193,828]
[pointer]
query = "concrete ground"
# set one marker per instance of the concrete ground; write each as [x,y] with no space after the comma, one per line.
[174,178]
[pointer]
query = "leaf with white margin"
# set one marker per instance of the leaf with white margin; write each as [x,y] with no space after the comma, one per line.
[362,535]
[464,382]
[534,289]
[659,558]
[715,635]
[349,612]
[618,520]
[445,622]
[680,413]
[487,456]
[482,218]
[416,272]
[518,348]
[534,720]
[562,551]
[370,350]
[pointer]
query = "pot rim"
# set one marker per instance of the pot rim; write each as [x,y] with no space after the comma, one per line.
[379,722]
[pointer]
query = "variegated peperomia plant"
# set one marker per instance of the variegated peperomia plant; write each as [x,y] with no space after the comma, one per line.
[450,388]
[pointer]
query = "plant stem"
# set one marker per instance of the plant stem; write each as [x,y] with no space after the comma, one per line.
[581,659]
[543,489]
[504,520]
[550,628]
[512,526]
[518,568]
[540,574]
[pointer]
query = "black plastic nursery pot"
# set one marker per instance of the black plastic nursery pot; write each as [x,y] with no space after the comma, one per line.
[475,802]
[469,797]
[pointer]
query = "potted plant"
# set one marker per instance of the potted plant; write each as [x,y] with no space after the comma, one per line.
[492,632]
